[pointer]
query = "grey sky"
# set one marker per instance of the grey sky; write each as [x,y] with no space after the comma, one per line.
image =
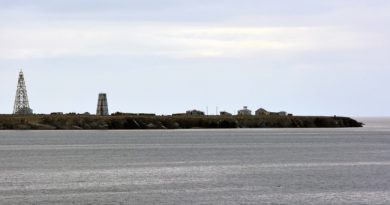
[305,56]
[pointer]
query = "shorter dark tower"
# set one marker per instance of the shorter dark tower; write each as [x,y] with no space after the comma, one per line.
[102,107]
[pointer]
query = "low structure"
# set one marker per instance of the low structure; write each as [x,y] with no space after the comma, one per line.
[123,114]
[179,114]
[147,114]
[195,112]
[224,113]
[282,113]
[57,113]
[244,112]
[262,112]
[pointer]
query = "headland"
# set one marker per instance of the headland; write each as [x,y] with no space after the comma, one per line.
[23,118]
[93,122]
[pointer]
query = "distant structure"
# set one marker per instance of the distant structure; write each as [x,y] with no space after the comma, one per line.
[102,107]
[57,113]
[22,106]
[195,112]
[179,114]
[244,112]
[224,113]
[282,113]
[261,112]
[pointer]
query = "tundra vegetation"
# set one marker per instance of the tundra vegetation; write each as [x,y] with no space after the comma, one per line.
[92,122]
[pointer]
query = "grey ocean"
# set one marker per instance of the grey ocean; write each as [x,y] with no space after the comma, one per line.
[243,166]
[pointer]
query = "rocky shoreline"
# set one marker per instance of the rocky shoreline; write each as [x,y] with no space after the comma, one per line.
[92,122]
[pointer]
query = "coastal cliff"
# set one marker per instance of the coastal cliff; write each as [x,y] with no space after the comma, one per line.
[92,122]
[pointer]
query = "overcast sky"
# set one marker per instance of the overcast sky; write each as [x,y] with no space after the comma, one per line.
[307,57]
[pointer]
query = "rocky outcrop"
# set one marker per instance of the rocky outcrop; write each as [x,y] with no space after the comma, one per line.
[88,122]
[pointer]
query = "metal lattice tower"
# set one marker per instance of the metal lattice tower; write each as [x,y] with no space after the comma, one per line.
[21,105]
[102,107]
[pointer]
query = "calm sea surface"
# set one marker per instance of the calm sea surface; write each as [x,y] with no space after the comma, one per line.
[247,166]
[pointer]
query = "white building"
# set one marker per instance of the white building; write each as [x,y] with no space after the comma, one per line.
[244,112]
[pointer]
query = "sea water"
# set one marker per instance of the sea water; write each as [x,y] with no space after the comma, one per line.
[234,166]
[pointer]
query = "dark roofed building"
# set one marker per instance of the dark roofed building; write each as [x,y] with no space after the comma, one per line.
[262,112]
[194,112]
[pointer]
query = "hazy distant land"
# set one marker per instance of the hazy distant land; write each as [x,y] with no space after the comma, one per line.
[92,122]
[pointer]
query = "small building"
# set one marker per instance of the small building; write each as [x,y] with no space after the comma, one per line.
[57,113]
[123,114]
[147,114]
[195,113]
[224,113]
[179,114]
[262,112]
[244,112]
[282,113]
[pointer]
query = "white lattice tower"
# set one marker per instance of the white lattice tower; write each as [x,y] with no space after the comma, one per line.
[21,105]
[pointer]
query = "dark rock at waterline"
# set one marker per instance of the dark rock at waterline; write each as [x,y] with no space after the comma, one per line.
[74,122]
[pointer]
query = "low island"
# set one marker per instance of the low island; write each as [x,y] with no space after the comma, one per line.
[93,122]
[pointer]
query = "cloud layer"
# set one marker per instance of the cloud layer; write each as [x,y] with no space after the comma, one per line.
[262,52]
